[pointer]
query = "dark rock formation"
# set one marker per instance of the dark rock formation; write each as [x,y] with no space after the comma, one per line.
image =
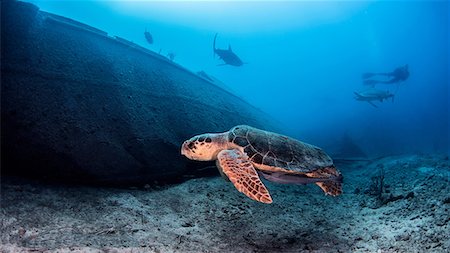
[78,105]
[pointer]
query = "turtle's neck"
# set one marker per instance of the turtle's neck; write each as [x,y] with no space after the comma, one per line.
[221,140]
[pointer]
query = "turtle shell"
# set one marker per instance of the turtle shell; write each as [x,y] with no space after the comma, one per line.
[275,150]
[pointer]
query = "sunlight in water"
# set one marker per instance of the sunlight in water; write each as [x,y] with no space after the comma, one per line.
[241,16]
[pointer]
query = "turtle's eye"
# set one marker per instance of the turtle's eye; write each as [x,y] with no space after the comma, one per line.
[191,145]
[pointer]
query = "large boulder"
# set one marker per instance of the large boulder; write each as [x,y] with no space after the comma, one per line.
[79,105]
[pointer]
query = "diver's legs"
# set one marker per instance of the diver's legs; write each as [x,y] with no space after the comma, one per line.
[393,80]
[371,82]
[369,75]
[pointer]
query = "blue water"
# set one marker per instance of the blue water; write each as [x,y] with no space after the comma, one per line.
[305,60]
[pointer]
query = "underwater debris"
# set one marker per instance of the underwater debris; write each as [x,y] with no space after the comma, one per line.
[285,161]
[227,55]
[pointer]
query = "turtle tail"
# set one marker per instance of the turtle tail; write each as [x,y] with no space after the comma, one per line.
[332,186]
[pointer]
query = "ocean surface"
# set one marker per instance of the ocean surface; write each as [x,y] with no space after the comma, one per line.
[305,60]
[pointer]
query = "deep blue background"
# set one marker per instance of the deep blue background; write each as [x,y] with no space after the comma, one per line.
[306,60]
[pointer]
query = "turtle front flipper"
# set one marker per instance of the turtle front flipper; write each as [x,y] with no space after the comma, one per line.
[243,175]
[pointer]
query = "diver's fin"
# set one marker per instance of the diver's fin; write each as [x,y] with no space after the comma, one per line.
[368,75]
[243,175]
[371,82]
[370,102]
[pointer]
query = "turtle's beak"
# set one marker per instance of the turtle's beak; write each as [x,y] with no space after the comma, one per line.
[184,149]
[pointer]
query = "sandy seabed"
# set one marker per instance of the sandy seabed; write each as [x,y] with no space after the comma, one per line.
[392,204]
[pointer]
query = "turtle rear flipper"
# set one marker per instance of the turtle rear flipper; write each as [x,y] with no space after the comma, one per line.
[333,184]
[331,187]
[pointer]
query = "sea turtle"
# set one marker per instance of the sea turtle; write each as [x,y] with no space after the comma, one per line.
[244,153]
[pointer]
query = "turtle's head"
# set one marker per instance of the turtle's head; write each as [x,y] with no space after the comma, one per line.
[204,147]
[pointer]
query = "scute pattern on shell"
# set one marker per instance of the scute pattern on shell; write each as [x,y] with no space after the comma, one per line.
[271,149]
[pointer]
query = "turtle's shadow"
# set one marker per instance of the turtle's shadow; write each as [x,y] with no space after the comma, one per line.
[300,221]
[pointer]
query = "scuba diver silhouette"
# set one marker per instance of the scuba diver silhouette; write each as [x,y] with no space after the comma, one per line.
[400,74]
